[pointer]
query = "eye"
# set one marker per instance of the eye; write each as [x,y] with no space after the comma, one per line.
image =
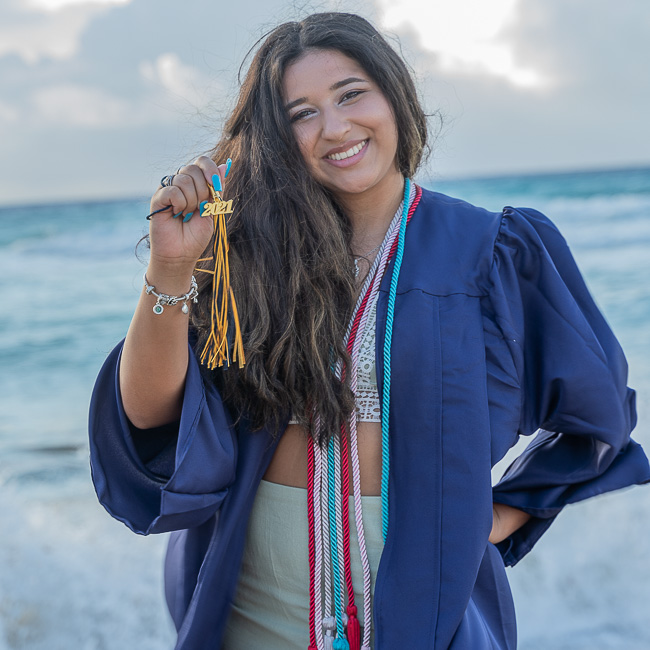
[351,94]
[300,115]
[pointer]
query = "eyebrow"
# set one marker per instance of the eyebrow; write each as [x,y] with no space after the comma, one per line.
[336,86]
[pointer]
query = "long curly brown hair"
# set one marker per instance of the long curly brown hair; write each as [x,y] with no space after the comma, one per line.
[290,259]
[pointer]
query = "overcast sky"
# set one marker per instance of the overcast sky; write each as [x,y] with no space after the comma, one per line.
[101,98]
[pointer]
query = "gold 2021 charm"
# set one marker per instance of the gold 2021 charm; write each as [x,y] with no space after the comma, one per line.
[216,207]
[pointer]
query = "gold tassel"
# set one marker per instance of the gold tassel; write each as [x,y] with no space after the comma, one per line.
[216,353]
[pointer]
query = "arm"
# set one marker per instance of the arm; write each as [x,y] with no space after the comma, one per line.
[176,475]
[154,360]
[571,374]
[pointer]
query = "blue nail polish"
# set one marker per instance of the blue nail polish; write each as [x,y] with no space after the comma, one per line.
[202,208]
[188,216]
[216,182]
[228,164]
[177,215]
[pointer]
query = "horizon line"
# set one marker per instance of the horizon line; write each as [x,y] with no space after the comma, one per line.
[437,177]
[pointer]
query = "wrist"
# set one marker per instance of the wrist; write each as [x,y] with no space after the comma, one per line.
[163,299]
[170,278]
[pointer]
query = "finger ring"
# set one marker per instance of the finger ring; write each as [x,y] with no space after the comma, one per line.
[166,181]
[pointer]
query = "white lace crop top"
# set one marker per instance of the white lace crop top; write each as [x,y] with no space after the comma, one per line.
[367,396]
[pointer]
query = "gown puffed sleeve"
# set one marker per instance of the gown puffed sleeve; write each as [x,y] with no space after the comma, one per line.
[572,379]
[171,478]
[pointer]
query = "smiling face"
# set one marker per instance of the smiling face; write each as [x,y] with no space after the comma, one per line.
[343,123]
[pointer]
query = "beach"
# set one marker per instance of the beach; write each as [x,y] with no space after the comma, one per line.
[72,577]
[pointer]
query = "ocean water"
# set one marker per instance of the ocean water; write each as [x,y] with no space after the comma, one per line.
[71,577]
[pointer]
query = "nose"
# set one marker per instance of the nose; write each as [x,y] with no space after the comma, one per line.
[335,126]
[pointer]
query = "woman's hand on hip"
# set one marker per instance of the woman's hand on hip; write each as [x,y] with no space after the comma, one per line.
[505,521]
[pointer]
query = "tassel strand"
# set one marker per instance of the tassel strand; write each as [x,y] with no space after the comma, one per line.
[215,352]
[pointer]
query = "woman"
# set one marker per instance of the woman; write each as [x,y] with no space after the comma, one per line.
[445,330]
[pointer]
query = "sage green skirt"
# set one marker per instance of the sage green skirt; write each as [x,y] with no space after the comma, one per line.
[271,606]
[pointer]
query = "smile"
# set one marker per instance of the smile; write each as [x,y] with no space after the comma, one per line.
[352,151]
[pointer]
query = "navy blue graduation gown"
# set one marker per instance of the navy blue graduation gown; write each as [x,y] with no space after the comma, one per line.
[495,336]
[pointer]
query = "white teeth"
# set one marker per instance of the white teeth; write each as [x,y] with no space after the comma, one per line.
[350,152]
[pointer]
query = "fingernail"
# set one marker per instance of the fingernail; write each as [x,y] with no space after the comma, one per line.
[216,182]
[177,215]
[188,216]
[202,207]
[228,164]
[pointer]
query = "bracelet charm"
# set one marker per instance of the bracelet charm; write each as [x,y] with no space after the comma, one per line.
[163,299]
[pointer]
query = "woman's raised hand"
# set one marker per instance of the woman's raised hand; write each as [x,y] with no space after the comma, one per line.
[179,235]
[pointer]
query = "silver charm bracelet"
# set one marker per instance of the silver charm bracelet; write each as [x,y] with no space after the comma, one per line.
[163,299]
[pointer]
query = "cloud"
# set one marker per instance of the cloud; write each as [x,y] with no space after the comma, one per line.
[142,81]
[181,81]
[591,114]
[8,113]
[86,106]
[80,106]
[587,43]
[34,34]
[91,108]
[57,5]
[470,37]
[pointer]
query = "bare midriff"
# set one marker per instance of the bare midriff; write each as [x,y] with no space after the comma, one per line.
[289,463]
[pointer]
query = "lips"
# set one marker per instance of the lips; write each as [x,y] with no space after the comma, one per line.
[342,154]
